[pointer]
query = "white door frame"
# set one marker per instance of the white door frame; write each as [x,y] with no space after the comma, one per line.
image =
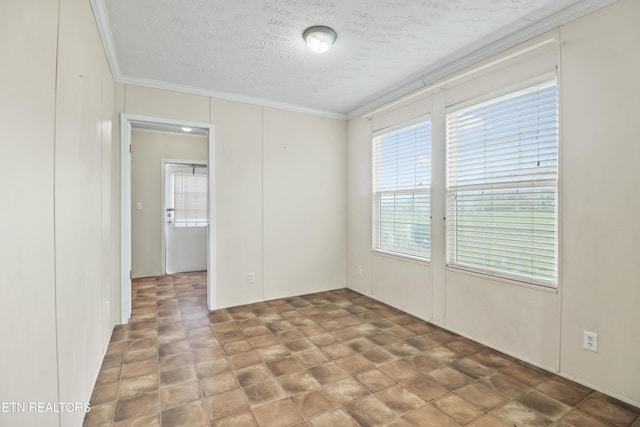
[126,120]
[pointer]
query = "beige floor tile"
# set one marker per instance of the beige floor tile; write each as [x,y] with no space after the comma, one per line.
[525,375]
[190,414]
[327,373]
[286,365]
[133,386]
[245,419]
[461,410]
[100,415]
[212,367]
[374,379]
[400,370]
[489,421]
[335,418]
[515,413]
[139,369]
[104,393]
[297,382]
[547,406]
[608,412]
[313,403]
[450,378]
[426,388]
[137,406]
[179,375]
[147,421]
[264,392]
[332,359]
[226,403]
[429,416]
[218,383]
[346,390]
[179,394]
[282,413]
[399,399]
[369,411]
[577,418]
[570,394]
[481,395]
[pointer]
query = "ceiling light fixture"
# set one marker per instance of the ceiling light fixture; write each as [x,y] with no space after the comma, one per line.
[319,38]
[187,129]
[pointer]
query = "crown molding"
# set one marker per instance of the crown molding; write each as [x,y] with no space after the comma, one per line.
[467,57]
[477,52]
[104,29]
[193,90]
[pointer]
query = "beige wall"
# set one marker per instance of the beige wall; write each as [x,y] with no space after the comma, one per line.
[238,153]
[304,203]
[280,194]
[58,266]
[83,212]
[600,198]
[599,231]
[28,32]
[148,149]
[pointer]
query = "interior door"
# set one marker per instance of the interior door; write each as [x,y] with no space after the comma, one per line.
[185,217]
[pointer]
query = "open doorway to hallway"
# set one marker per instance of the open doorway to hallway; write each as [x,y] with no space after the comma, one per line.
[169,215]
[167,200]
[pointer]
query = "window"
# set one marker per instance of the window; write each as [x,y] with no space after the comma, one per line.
[502,186]
[190,196]
[401,189]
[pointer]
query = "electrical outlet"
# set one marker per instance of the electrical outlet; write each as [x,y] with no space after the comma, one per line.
[251,279]
[359,270]
[590,341]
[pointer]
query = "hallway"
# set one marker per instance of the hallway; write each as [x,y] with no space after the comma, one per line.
[330,359]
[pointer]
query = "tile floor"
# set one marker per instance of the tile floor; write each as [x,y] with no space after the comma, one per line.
[329,359]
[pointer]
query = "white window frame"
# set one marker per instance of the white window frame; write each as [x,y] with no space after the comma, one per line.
[505,184]
[378,193]
[198,170]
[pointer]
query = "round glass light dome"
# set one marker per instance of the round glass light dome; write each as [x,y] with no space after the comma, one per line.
[319,38]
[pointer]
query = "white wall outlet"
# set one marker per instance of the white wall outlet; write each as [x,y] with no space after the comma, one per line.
[359,270]
[251,279]
[590,341]
[139,206]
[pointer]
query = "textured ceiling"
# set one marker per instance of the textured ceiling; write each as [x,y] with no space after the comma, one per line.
[251,48]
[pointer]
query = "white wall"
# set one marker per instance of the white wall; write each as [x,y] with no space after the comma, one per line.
[83,194]
[28,32]
[599,231]
[600,198]
[148,149]
[57,254]
[280,213]
[238,169]
[304,203]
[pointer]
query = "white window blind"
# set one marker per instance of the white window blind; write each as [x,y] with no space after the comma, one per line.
[190,197]
[401,189]
[502,186]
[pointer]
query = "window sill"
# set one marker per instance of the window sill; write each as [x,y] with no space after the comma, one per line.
[402,257]
[502,280]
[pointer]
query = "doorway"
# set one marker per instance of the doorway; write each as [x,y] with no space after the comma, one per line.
[129,122]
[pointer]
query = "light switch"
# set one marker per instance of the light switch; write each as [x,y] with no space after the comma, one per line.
[139,206]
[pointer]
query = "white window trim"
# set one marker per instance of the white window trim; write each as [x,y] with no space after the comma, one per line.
[375,199]
[524,280]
